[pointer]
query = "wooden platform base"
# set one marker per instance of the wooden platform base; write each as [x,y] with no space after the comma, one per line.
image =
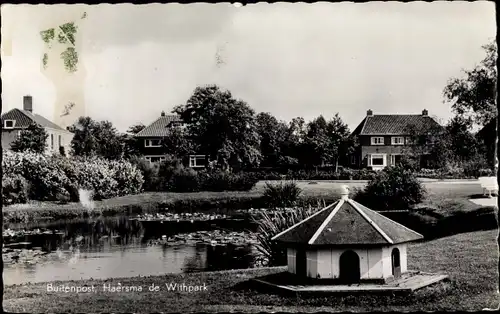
[410,281]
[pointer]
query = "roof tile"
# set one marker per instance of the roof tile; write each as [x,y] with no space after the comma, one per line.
[394,124]
[25,118]
[351,224]
[159,128]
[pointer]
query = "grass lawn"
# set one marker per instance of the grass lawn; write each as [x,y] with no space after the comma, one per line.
[443,195]
[470,260]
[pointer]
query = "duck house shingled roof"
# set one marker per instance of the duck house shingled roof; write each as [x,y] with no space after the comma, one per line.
[347,222]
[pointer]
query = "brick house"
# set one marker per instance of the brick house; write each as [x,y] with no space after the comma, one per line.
[152,135]
[16,120]
[383,138]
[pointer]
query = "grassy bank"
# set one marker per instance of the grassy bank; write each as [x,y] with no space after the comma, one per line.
[440,195]
[470,260]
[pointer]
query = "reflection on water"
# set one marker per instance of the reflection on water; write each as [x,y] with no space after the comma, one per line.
[117,247]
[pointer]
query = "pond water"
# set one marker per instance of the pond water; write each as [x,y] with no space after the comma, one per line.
[120,247]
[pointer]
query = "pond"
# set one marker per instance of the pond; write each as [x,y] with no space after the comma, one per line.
[122,247]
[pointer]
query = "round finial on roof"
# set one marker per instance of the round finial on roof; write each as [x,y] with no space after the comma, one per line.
[344,192]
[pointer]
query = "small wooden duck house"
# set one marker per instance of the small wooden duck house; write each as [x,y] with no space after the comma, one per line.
[349,243]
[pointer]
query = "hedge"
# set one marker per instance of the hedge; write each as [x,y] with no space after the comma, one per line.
[366,174]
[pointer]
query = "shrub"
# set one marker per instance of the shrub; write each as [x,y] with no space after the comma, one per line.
[149,172]
[283,194]
[128,177]
[46,181]
[394,188]
[14,189]
[218,181]
[57,178]
[183,180]
[269,226]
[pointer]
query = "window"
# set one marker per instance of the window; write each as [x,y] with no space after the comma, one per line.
[377,141]
[9,124]
[60,141]
[409,140]
[397,140]
[196,161]
[52,141]
[152,143]
[155,159]
[395,159]
[376,160]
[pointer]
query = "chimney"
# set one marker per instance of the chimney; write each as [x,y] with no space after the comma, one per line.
[28,103]
[163,113]
[425,113]
[369,113]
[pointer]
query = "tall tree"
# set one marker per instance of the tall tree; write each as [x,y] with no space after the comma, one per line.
[474,95]
[272,135]
[340,143]
[430,146]
[178,143]
[33,138]
[132,144]
[292,146]
[92,138]
[223,127]
[464,145]
[315,148]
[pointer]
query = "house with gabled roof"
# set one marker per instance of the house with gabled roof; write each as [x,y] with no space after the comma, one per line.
[349,243]
[151,138]
[16,120]
[383,138]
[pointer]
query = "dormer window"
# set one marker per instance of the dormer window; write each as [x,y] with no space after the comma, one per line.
[378,140]
[152,143]
[9,124]
[397,140]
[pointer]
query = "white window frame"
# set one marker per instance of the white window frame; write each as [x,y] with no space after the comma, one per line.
[394,140]
[384,159]
[377,140]
[9,127]
[408,140]
[148,158]
[149,143]
[393,158]
[192,161]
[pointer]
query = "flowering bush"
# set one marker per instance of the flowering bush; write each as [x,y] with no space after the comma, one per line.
[149,172]
[55,178]
[14,189]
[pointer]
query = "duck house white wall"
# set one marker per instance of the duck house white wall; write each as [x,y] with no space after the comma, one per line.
[374,263]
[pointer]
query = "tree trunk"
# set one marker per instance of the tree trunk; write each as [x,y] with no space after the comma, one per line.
[336,164]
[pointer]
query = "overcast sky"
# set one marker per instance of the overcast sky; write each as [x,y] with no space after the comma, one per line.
[287,59]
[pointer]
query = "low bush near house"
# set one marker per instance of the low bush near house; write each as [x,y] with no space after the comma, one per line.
[393,188]
[218,181]
[174,177]
[183,180]
[149,173]
[283,194]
